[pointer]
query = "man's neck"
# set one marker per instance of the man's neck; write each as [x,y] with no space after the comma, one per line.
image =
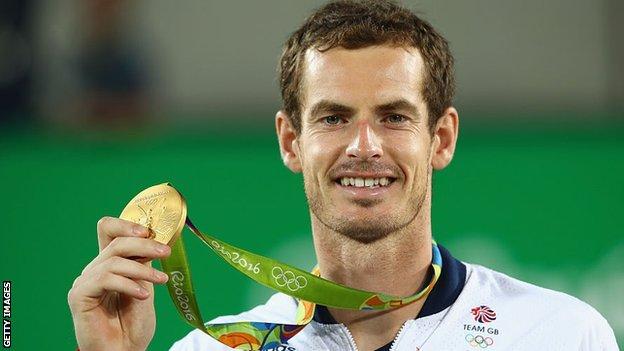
[396,265]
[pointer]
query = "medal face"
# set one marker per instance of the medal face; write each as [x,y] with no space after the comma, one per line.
[161,208]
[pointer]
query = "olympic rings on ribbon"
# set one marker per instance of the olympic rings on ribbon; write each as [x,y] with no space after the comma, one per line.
[479,341]
[288,279]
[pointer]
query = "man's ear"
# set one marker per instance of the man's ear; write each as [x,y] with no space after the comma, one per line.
[445,136]
[288,142]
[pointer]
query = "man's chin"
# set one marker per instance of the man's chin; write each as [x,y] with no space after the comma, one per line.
[362,224]
[366,225]
[366,203]
[365,231]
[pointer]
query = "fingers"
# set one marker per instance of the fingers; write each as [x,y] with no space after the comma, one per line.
[113,270]
[133,270]
[119,275]
[127,247]
[109,228]
[94,286]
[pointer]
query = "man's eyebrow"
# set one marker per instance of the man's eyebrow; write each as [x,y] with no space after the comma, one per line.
[328,106]
[398,105]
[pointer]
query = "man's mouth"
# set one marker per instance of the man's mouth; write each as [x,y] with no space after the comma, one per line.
[360,182]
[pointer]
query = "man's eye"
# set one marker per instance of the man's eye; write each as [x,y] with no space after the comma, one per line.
[395,119]
[333,120]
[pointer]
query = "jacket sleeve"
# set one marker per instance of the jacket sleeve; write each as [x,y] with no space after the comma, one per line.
[598,335]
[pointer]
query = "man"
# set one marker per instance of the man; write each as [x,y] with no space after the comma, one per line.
[367,89]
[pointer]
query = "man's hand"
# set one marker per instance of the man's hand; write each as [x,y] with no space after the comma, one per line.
[112,301]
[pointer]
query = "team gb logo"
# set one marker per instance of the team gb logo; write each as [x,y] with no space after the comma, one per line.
[483,314]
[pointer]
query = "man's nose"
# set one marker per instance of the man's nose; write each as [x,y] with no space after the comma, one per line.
[365,145]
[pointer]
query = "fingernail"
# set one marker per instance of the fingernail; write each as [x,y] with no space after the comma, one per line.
[139,230]
[142,292]
[162,248]
[162,276]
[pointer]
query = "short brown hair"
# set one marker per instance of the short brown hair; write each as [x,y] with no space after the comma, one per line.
[357,24]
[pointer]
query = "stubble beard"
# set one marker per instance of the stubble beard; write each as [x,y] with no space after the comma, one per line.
[370,229]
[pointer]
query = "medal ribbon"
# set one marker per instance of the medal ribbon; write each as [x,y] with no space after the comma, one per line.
[309,288]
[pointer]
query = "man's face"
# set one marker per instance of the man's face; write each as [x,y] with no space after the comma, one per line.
[364,147]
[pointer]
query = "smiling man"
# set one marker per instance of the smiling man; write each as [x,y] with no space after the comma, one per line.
[367,88]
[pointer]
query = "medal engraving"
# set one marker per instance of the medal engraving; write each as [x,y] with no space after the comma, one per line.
[161,208]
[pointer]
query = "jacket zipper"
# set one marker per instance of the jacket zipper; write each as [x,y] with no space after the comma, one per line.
[351,340]
[392,346]
[396,337]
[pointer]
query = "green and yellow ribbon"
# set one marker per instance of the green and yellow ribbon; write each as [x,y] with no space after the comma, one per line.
[309,289]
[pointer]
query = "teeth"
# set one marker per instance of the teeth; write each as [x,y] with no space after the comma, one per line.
[364,182]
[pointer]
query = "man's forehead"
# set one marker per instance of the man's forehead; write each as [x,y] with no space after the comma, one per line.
[385,57]
[374,70]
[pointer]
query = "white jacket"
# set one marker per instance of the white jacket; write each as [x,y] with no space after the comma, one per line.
[471,307]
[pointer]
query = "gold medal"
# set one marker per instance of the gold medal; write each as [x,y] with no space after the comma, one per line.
[160,208]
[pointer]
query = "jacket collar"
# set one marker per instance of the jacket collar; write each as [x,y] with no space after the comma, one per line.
[444,293]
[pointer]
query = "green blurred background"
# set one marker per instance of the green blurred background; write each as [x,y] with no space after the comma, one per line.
[101,98]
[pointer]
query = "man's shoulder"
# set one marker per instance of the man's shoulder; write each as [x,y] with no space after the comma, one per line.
[517,315]
[502,288]
[531,305]
[279,308]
